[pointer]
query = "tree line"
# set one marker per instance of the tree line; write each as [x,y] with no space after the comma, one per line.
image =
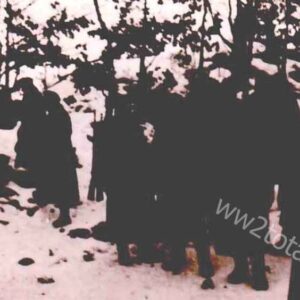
[267,31]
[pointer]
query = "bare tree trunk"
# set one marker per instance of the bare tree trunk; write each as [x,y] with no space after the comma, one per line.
[242,50]
[202,32]
[100,19]
[143,69]
[109,62]
[7,42]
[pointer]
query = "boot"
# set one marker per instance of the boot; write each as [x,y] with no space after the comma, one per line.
[240,273]
[206,268]
[147,253]
[259,280]
[177,260]
[63,220]
[208,284]
[124,258]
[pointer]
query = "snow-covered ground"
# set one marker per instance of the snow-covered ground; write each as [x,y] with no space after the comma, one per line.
[61,258]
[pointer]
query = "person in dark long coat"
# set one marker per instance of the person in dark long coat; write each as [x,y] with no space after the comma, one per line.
[30,146]
[189,186]
[288,170]
[129,196]
[169,156]
[250,178]
[58,183]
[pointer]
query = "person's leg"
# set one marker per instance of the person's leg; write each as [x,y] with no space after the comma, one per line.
[294,287]
[206,269]
[145,227]
[236,238]
[240,273]
[176,258]
[64,218]
[260,211]
[148,252]
[174,230]
[202,246]
[259,279]
[124,258]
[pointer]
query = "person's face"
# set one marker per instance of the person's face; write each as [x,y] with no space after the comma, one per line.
[17,95]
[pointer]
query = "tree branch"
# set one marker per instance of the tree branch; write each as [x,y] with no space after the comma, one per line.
[100,19]
[225,41]
[202,30]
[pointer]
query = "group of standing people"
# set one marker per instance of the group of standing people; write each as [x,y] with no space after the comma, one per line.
[213,146]
[165,164]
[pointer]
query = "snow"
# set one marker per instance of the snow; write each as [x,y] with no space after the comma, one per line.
[103,278]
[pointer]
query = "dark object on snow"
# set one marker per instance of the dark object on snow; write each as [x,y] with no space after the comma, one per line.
[70,100]
[51,253]
[5,223]
[88,256]
[45,280]
[32,210]
[63,220]
[80,233]
[61,260]
[101,232]
[78,108]
[14,203]
[208,284]
[26,261]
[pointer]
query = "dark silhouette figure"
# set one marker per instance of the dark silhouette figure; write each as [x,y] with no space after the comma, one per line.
[187,151]
[127,181]
[30,146]
[58,182]
[204,163]
[251,169]
[7,110]
[288,166]
[168,135]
